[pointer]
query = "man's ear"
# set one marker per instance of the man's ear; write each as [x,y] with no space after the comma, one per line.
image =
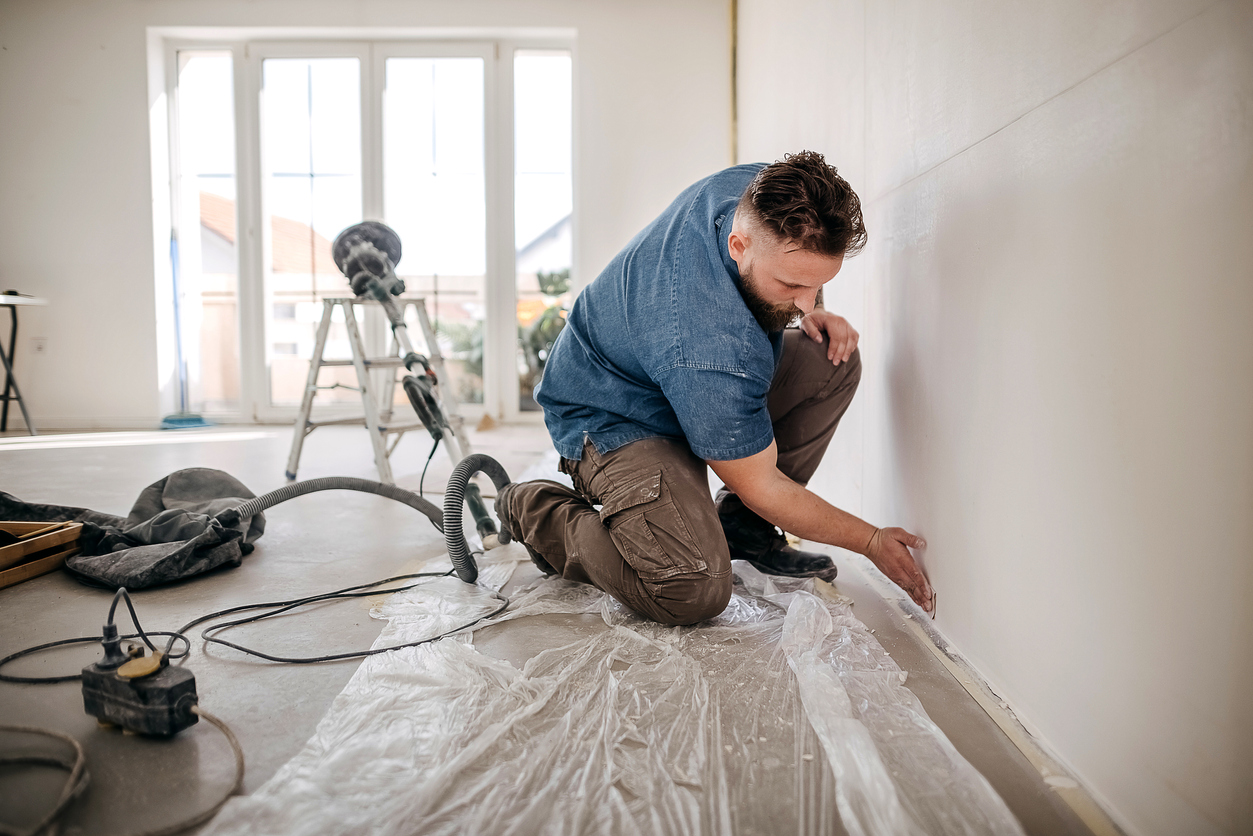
[737,245]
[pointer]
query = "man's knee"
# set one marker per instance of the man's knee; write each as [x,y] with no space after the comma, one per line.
[690,599]
[819,365]
[853,372]
[810,375]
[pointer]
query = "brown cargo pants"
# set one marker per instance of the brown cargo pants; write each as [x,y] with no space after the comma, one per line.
[655,543]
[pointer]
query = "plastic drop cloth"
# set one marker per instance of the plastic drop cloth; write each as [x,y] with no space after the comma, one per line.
[783,715]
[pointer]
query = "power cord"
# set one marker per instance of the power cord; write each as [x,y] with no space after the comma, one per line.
[78,778]
[361,591]
[75,783]
[123,595]
[275,607]
[110,636]
[49,680]
[236,787]
[429,456]
[463,565]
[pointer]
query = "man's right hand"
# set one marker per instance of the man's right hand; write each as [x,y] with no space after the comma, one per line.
[889,550]
[757,481]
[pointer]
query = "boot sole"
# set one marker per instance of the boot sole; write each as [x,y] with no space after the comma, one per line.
[827,575]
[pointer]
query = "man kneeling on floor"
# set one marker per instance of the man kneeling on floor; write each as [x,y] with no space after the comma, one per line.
[678,356]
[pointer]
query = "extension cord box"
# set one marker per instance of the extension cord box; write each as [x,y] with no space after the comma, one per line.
[35,548]
[158,704]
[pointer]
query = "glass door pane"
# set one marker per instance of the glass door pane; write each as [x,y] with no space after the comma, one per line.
[434,193]
[205,255]
[543,203]
[311,181]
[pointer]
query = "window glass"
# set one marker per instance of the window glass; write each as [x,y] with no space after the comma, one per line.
[204,254]
[311,170]
[434,197]
[543,202]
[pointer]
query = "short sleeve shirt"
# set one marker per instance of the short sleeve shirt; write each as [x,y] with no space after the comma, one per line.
[663,344]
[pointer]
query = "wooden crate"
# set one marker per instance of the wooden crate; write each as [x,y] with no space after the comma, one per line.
[41,547]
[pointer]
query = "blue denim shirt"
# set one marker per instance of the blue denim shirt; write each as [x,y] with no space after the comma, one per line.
[662,343]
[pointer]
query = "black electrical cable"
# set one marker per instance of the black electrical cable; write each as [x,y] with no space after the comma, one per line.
[361,591]
[429,456]
[122,594]
[346,592]
[463,564]
[49,680]
[278,607]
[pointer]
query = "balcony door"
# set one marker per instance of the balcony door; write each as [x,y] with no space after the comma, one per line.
[464,148]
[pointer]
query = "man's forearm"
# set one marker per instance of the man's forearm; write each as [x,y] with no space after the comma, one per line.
[761,486]
[802,512]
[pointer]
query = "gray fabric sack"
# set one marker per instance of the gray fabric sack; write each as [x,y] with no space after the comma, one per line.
[172,533]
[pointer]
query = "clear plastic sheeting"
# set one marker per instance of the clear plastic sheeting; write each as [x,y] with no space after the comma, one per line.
[783,715]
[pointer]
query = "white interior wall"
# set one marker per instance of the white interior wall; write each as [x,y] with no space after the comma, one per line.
[1054,312]
[653,99]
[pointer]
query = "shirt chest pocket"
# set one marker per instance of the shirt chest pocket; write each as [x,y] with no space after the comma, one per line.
[649,529]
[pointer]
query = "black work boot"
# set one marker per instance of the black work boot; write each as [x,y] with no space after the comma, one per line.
[751,538]
[509,528]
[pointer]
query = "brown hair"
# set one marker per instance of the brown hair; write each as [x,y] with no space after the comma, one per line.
[803,200]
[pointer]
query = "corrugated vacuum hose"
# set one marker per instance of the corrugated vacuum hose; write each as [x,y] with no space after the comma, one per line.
[349,483]
[454,501]
[456,495]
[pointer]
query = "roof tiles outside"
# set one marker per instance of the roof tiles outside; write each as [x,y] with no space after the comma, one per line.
[289,239]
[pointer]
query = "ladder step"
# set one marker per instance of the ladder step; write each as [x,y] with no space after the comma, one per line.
[331,422]
[385,433]
[376,362]
[399,428]
[386,427]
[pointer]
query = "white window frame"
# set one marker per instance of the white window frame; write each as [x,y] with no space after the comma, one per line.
[372,49]
[492,127]
[254,295]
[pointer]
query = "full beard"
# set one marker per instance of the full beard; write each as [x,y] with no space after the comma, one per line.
[769,316]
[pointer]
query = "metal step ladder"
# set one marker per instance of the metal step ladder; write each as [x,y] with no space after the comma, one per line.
[378,408]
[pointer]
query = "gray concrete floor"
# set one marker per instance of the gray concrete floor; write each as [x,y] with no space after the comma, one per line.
[315,544]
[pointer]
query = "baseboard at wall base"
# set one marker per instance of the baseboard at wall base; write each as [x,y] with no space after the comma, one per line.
[81,424]
[1053,770]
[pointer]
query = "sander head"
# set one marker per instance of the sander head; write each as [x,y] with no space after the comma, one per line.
[369,250]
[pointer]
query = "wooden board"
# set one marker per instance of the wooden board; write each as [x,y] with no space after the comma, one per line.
[36,537]
[28,529]
[35,568]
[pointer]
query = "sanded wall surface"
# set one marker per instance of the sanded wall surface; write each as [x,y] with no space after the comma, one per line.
[653,111]
[1059,368]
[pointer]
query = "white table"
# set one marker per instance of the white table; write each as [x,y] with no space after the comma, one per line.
[13,302]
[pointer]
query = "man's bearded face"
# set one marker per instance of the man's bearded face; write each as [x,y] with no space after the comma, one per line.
[769,315]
